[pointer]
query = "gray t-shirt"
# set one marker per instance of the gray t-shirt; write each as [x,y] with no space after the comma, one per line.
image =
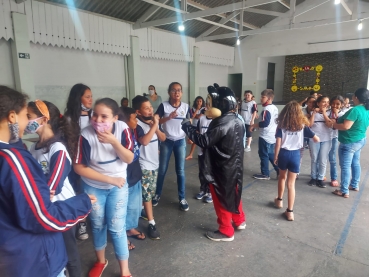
[155,104]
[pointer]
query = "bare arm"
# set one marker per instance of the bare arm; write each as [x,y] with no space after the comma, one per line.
[160,134]
[346,125]
[277,147]
[316,138]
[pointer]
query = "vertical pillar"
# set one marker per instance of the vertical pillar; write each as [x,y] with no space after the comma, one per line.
[134,70]
[21,56]
[194,74]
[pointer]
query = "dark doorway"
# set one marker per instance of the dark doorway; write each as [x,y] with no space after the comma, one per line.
[271,74]
[235,83]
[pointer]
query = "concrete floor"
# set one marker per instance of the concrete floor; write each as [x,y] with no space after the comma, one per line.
[329,236]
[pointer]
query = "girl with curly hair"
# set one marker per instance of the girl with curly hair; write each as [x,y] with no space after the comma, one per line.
[291,130]
[53,152]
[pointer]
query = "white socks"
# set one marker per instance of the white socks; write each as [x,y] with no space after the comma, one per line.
[152,222]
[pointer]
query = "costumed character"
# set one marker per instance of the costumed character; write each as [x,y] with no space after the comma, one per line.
[223,146]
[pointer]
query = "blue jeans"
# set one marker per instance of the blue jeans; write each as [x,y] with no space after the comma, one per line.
[319,152]
[109,213]
[266,154]
[349,155]
[134,206]
[166,148]
[332,159]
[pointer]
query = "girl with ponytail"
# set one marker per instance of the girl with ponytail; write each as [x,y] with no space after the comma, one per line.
[53,152]
[352,128]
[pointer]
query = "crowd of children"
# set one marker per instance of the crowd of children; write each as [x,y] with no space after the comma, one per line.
[117,167]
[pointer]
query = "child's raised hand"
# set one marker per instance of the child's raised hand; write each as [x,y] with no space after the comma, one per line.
[276,161]
[155,119]
[106,137]
[173,114]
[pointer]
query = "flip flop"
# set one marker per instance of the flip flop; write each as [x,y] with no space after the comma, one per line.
[130,245]
[137,236]
[354,189]
[339,193]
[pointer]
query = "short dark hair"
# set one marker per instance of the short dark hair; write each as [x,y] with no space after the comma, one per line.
[126,113]
[247,91]
[123,99]
[268,92]
[137,101]
[312,92]
[337,97]
[11,100]
[362,94]
[110,103]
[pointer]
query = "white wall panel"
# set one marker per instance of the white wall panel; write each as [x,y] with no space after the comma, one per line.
[6,68]
[8,20]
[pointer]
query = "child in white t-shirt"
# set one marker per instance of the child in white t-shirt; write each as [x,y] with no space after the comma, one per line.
[249,110]
[198,109]
[290,134]
[148,136]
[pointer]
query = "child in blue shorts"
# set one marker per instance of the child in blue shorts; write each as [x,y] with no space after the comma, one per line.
[290,134]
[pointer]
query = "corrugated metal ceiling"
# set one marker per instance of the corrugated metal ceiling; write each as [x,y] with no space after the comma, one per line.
[132,10]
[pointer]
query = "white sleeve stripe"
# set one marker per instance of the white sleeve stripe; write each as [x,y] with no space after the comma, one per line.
[58,170]
[128,136]
[78,150]
[33,196]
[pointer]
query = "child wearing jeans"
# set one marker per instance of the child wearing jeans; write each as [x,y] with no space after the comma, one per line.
[148,134]
[101,161]
[290,135]
[319,151]
[267,139]
[134,176]
[249,110]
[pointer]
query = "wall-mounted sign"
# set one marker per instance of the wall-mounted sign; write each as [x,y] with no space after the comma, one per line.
[24,55]
[296,69]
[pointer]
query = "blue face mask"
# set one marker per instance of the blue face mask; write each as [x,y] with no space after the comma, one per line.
[32,126]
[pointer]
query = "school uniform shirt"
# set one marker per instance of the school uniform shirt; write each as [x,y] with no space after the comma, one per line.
[149,156]
[293,140]
[173,127]
[319,127]
[195,120]
[102,157]
[268,124]
[247,109]
[334,132]
[31,242]
[84,121]
[202,126]
[56,165]
[134,173]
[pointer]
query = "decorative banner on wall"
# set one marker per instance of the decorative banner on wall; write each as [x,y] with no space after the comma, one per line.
[297,69]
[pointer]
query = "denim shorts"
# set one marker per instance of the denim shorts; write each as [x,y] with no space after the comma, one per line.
[289,159]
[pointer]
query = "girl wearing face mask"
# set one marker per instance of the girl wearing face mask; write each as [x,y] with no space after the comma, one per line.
[30,223]
[101,161]
[78,112]
[52,152]
[154,98]
[319,151]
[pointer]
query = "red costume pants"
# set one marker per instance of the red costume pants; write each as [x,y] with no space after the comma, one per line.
[225,217]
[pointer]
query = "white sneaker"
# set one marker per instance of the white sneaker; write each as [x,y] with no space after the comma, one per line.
[247,149]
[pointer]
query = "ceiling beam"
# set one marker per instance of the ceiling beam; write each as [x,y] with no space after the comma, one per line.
[259,11]
[235,20]
[355,9]
[151,11]
[202,13]
[222,21]
[284,4]
[185,12]
[348,10]
[296,26]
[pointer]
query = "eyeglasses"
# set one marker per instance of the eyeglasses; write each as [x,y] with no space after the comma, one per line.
[175,90]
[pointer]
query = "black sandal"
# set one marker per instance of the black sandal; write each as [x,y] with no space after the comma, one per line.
[137,236]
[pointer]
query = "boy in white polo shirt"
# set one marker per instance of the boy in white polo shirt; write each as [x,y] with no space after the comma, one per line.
[268,127]
[148,134]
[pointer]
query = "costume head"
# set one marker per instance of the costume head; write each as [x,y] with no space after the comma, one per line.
[220,100]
